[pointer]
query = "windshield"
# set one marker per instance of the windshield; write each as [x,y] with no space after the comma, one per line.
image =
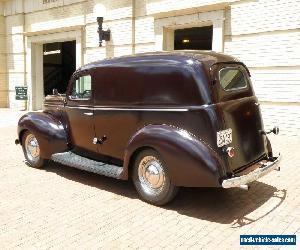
[232,78]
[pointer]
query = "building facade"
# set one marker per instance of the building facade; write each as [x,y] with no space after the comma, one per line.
[38,38]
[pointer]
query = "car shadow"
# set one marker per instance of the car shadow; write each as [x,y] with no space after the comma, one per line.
[226,206]
[229,206]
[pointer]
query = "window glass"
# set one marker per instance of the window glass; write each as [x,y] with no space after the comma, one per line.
[82,88]
[232,78]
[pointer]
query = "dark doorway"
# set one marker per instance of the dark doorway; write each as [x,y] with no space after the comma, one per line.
[198,38]
[59,64]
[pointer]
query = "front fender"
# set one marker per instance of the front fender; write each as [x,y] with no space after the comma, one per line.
[190,162]
[48,130]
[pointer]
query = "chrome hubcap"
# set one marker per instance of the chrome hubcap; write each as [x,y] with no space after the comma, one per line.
[32,148]
[151,175]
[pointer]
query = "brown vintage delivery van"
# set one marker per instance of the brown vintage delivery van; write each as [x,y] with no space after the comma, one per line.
[164,120]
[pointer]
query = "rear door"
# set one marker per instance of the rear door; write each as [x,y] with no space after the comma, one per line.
[240,112]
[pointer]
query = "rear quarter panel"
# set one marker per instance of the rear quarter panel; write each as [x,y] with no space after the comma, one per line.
[189,161]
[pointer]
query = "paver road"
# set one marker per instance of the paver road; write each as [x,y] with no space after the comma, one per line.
[60,207]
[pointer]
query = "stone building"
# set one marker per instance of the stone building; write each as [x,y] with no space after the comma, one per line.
[43,41]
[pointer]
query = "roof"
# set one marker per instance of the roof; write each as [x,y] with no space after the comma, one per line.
[205,57]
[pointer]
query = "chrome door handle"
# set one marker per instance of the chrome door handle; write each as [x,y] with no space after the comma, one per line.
[88,113]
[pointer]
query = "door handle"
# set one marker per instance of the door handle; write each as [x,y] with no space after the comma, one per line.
[88,113]
[99,141]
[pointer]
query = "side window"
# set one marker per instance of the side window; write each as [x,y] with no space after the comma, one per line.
[82,88]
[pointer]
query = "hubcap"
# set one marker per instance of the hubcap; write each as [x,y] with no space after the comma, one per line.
[32,148]
[151,175]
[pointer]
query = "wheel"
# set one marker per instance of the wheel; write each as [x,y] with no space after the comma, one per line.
[31,150]
[151,179]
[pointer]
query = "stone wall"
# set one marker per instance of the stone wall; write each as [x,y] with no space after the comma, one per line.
[3,67]
[264,34]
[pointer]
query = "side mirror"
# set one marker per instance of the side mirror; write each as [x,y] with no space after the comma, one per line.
[55,92]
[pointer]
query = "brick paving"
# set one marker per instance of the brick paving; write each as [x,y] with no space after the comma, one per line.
[60,207]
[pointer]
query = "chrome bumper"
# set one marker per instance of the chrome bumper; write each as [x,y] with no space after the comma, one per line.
[252,176]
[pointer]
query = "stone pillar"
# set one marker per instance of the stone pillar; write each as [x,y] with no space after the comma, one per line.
[15,52]
[3,64]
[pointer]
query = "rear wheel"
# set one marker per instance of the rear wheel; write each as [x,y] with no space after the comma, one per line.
[31,150]
[151,179]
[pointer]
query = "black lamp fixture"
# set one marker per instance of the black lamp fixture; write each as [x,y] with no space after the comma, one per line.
[103,34]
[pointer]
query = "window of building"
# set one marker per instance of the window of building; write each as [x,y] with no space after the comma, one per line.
[197,38]
[59,63]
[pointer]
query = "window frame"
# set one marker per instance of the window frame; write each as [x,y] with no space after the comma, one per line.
[235,68]
[73,81]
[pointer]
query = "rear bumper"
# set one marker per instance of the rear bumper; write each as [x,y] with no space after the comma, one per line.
[254,175]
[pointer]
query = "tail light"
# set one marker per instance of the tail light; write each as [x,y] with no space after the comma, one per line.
[229,151]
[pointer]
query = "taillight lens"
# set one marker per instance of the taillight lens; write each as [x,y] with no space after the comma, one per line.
[230,152]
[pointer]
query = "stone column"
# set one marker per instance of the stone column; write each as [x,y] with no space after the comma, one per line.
[15,53]
[3,64]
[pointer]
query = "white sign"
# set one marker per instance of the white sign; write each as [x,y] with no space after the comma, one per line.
[49,1]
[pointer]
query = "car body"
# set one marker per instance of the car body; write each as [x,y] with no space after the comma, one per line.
[165,119]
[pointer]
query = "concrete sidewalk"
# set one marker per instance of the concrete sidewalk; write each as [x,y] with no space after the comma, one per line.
[60,207]
[9,117]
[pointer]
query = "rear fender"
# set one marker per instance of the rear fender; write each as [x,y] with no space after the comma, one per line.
[48,130]
[190,162]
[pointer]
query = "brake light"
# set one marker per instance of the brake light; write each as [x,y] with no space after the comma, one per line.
[230,151]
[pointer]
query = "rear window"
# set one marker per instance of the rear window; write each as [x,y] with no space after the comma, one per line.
[232,79]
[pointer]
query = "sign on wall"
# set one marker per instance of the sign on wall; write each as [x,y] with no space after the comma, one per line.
[21,93]
[49,1]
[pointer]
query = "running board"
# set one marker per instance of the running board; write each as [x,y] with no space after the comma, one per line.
[77,161]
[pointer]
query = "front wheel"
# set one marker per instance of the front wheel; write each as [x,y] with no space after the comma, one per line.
[31,150]
[151,179]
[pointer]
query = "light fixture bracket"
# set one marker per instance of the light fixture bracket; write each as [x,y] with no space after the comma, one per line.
[104,35]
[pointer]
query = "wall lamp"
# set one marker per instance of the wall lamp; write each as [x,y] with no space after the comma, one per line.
[103,34]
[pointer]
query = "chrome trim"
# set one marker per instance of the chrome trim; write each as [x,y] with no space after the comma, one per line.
[144,109]
[88,113]
[53,105]
[79,107]
[252,176]
[151,175]
[32,148]
[133,109]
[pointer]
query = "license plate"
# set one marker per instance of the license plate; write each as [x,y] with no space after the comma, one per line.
[224,137]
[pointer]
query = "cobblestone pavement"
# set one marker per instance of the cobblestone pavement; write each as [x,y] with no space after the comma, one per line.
[60,207]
